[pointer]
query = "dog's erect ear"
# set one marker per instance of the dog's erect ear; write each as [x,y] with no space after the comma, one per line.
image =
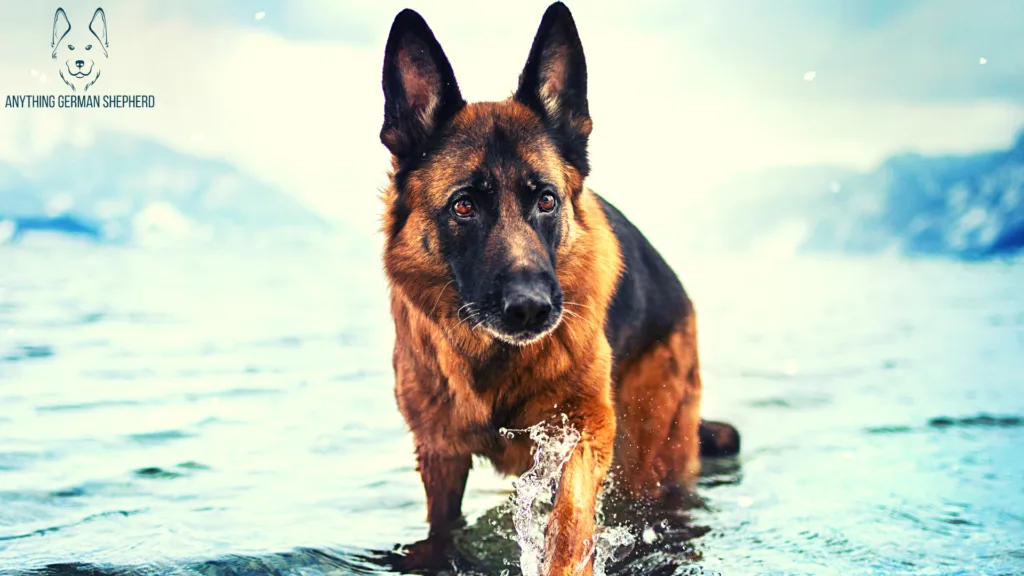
[98,27]
[61,27]
[554,80]
[420,92]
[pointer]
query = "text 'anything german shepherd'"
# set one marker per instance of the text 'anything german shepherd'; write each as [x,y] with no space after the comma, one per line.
[519,295]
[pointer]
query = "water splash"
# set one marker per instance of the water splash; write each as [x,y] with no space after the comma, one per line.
[613,544]
[534,497]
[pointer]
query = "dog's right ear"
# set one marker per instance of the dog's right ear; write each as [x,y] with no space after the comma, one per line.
[61,27]
[420,91]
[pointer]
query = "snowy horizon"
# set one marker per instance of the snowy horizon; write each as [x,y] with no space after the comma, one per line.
[682,97]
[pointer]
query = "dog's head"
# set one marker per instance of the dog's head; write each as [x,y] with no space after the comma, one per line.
[484,195]
[79,50]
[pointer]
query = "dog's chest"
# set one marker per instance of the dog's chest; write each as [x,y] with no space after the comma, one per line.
[506,438]
[513,456]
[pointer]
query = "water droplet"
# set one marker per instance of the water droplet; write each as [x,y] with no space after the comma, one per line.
[810,75]
[649,535]
[982,61]
[613,544]
[745,501]
[259,15]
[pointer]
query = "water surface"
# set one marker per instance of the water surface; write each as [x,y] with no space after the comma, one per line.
[227,411]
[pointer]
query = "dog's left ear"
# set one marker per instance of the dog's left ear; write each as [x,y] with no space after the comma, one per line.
[554,81]
[98,27]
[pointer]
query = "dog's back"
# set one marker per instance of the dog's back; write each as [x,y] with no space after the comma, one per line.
[656,374]
[649,300]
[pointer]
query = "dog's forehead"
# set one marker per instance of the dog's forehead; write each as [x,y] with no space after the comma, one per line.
[494,144]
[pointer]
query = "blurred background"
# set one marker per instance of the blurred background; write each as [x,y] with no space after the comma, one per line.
[194,333]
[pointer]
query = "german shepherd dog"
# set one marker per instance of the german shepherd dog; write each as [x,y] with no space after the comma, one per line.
[519,295]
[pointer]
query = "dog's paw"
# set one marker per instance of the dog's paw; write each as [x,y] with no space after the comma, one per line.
[430,556]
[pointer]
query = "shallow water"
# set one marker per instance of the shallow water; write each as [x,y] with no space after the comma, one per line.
[220,411]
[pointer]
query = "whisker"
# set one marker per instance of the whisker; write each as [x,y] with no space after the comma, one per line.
[439,294]
[575,304]
[471,312]
[572,314]
[472,315]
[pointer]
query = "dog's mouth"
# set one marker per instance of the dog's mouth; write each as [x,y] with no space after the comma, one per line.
[523,338]
[498,329]
[515,316]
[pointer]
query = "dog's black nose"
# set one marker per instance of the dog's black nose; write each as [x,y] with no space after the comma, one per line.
[79,63]
[526,308]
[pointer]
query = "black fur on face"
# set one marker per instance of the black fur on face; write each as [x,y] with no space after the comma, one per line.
[498,231]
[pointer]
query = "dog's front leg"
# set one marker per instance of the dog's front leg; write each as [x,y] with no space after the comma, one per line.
[444,480]
[569,540]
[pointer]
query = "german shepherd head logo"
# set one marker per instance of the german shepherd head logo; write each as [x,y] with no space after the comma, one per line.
[79,50]
[486,194]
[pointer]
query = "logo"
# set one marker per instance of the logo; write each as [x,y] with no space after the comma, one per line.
[80,50]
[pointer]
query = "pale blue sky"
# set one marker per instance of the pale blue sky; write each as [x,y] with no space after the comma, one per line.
[682,93]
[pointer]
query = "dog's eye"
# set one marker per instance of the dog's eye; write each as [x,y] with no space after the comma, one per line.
[547,202]
[463,208]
